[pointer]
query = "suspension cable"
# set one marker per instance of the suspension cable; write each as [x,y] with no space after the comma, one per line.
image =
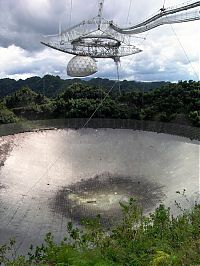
[129,9]
[70,13]
[117,65]
[51,165]
[164,3]
[184,51]
[107,94]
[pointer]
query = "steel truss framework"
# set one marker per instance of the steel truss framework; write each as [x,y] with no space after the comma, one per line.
[88,39]
[184,13]
[100,38]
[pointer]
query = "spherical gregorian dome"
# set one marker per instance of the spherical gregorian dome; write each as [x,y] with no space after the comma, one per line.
[81,66]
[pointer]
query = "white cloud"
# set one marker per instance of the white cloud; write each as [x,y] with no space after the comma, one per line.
[166,55]
[18,63]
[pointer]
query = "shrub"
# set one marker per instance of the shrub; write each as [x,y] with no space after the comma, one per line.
[195,118]
[7,116]
[159,239]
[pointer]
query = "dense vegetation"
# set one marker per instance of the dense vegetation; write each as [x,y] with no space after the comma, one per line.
[179,103]
[51,86]
[6,116]
[159,239]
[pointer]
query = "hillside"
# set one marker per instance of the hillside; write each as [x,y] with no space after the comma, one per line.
[179,103]
[51,86]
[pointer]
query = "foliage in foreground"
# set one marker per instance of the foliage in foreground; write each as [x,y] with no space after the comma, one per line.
[6,115]
[159,239]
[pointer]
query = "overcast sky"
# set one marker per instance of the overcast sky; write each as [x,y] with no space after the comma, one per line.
[24,22]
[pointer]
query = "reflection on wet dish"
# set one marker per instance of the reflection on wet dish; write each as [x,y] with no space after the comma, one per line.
[49,178]
[102,194]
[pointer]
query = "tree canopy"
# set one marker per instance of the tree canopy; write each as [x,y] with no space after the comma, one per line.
[177,102]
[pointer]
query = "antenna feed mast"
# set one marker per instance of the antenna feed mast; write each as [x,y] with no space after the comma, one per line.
[100,12]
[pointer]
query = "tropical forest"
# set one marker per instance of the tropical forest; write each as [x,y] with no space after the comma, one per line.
[51,97]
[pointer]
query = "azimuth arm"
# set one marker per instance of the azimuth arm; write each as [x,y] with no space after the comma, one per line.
[169,16]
